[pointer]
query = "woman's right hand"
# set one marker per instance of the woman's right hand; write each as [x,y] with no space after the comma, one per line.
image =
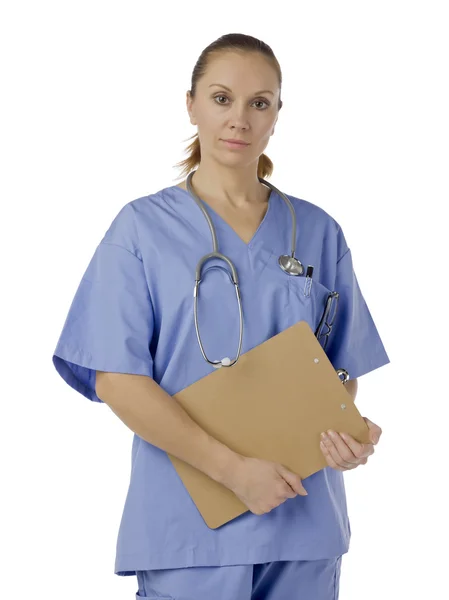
[262,484]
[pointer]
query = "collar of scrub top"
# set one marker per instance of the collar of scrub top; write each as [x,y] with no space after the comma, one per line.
[288,263]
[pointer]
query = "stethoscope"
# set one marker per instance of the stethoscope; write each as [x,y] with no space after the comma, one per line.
[288,263]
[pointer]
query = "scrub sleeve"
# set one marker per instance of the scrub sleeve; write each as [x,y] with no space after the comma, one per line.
[110,321]
[355,342]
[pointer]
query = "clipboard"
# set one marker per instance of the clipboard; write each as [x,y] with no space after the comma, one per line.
[272,404]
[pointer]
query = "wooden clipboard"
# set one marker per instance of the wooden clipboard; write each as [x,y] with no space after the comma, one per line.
[272,404]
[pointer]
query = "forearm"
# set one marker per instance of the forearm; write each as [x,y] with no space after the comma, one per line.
[159,419]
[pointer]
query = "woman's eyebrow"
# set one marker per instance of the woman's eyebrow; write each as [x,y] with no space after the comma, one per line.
[229,89]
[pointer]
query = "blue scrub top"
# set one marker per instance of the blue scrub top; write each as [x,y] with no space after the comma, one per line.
[133,313]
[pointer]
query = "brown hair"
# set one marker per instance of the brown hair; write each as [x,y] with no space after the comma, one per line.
[234,42]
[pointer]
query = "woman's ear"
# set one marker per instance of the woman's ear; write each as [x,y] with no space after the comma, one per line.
[189,104]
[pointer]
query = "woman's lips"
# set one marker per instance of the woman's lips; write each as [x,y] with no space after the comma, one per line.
[235,144]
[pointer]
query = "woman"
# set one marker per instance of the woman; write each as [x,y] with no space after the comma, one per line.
[130,341]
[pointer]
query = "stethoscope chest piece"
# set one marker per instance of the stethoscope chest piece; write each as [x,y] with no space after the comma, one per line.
[291,265]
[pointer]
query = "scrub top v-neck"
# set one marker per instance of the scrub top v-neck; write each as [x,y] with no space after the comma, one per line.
[133,313]
[220,222]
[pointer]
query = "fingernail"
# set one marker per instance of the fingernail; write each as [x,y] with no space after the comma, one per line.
[375,439]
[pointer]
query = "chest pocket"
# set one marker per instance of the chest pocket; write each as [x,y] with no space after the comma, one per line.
[304,299]
[311,294]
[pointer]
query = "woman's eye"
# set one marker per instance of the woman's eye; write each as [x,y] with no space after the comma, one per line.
[260,101]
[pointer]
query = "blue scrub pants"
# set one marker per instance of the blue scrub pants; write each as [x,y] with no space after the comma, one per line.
[281,580]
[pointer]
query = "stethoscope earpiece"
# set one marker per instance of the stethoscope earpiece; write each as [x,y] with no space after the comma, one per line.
[224,362]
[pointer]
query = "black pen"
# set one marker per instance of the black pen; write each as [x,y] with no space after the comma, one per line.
[308,283]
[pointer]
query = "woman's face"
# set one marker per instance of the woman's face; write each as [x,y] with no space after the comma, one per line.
[238,112]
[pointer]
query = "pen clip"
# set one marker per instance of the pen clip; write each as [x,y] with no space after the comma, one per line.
[308,284]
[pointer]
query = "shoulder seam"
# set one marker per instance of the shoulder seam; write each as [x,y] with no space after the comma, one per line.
[136,228]
[343,255]
[122,247]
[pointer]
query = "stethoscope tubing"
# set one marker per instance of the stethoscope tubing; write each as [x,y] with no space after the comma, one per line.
[234,276]
[216,254]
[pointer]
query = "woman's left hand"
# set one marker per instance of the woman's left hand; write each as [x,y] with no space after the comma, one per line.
[343,452]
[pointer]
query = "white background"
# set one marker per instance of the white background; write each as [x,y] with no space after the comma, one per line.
[93,116]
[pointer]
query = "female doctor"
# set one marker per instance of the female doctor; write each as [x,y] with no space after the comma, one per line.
[130,341]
